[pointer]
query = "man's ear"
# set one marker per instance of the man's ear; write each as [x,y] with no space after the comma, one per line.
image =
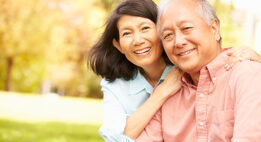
[117,45]
[215,29]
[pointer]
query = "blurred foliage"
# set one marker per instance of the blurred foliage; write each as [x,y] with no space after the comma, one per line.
[18,41]
[230,31]
[108,5]
[46,41]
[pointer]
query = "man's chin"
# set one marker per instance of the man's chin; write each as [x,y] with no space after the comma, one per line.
[187,69]
[192,70]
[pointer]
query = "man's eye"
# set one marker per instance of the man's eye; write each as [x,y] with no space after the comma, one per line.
[167,36]
[187,28]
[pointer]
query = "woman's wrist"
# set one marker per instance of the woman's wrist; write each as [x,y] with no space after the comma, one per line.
[161,93]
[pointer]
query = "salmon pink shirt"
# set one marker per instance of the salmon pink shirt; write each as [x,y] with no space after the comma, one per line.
[224,107]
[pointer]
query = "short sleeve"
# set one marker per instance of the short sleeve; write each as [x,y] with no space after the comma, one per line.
[114,118]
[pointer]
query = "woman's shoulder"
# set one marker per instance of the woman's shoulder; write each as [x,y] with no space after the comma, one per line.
[116,82]
[116,85]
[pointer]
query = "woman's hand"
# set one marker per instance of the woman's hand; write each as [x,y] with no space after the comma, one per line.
[139,119]
[240,55]
[171,83]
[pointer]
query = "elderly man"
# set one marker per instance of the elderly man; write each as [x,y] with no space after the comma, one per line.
[213,105]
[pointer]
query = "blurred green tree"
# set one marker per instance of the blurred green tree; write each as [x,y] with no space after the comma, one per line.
[108,5]
[73,37]
[46,41]
[230,31]
[23,38]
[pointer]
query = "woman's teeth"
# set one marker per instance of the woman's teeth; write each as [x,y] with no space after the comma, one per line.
[142,51]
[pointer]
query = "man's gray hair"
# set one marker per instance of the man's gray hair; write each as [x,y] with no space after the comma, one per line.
[205,10]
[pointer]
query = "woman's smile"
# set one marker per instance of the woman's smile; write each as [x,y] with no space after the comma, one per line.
[142,51]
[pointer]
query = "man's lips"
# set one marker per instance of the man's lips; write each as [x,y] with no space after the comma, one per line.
[186,52]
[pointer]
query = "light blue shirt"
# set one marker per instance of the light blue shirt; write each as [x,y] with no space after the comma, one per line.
[121,99]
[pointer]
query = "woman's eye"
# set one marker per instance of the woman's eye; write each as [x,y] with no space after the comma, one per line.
[125,33]
[145,28]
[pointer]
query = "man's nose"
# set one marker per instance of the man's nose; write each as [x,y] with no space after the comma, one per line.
[180,40]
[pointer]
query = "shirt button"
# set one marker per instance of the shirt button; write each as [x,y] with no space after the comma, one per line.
[214,79]
[201,123]
[201,95]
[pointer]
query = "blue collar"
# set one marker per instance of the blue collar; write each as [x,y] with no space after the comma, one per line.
[139,83]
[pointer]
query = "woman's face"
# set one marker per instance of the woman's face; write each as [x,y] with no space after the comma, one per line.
[139,41]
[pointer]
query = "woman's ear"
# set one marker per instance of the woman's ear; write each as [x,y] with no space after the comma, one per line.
[117,45]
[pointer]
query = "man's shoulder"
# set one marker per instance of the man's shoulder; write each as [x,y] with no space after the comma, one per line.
[245,74]
[246,68]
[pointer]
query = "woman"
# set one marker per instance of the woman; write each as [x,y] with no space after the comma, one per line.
[130,58]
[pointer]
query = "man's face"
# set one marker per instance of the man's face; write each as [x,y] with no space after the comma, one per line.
[188,40]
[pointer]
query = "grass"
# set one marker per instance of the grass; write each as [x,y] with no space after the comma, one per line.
[33,108]
[15,131]
[49,118]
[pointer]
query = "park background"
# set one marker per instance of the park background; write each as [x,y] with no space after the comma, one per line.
[47,92]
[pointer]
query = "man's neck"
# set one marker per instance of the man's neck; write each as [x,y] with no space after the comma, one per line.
[195,78]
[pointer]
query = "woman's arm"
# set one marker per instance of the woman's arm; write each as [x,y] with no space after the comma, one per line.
[139,119]
[242,54]
[114,118]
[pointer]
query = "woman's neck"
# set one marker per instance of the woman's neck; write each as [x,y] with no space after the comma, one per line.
[154,72]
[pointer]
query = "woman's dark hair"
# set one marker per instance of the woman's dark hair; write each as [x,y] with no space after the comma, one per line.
[104,58]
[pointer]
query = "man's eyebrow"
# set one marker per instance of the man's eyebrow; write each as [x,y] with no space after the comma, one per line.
[164,29]
[179,23]
[183,22]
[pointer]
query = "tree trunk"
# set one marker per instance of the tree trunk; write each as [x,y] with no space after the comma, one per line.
[9,65]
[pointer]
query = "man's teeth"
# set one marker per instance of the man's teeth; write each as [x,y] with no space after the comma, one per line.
[142,51]
[186,53]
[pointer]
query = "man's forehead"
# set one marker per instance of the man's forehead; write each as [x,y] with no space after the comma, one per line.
[174,4]
[177,12]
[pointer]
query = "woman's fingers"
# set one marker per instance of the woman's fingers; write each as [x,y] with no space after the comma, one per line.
[240,55]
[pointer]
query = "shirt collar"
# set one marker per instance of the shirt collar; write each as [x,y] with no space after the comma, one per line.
[165,72]
[213,68]
[139,82]
[218,64]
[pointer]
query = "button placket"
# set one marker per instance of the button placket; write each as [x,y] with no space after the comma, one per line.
[201,105]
